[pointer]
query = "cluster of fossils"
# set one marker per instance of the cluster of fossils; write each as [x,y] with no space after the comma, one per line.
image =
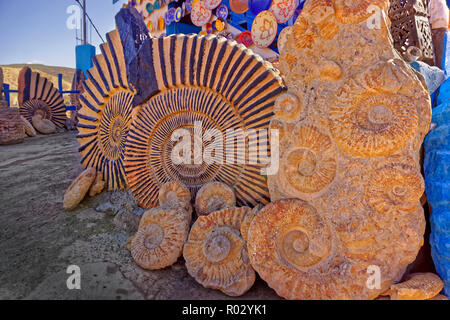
[42,109]
[346,197]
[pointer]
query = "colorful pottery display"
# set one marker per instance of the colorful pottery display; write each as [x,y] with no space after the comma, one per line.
[222,12]
[200,15]
[264,29]
[283,9]
[239,6]
[258,6]
[211,4]
[245,38]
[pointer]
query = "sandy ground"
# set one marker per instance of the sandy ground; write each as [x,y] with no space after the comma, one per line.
[39,240]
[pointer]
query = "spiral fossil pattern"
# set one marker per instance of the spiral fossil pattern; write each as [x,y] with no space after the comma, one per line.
[395,188]
[160,238]
[374,124]
[310,166]
[212,82]
[39,96]
[105,114]
[216,253]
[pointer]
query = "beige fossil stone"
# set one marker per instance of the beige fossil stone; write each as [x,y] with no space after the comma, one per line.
[79,188]
[42,125]
[175,194]
[160,238]
[350,129]
[98,185]
[214,196]
[29,129]
[439,297]
[418,286]
[216,252]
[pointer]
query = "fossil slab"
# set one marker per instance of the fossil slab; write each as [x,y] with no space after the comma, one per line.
[350,129]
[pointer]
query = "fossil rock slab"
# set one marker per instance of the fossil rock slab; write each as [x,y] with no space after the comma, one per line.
[350,129]
[12,129]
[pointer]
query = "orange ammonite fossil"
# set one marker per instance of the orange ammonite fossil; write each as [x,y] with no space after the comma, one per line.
[394,188]
[79,188]
[292,247]
[418,286]
[214,196]
[160,238]
[310,165]
[374,124]
[357,11]
[175,194]
[216,253]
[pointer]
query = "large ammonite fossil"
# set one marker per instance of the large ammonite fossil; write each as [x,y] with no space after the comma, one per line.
[160,238]
[106,112]
[293,248]
[212,92]
[373,124]
[216,252]
[37,95]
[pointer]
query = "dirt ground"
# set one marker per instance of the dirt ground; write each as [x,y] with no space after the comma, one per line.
[39,240]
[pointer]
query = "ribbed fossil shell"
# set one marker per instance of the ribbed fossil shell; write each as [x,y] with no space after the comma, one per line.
[174,194]
[98,185]
[310,165]
[291,246]
[373,124]
[214,196]
[289,107]
[395,188]
[106,112]
[210,80]
[418,286]
[356,11]
[43,125]
[216,253]
[37,95]
[29,129]
[160,238]
[78,189]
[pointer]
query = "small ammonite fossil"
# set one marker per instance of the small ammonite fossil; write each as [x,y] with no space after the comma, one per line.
[418,286]
[175,194]
[216,253]
[214,196]
[160,238]
[310,165]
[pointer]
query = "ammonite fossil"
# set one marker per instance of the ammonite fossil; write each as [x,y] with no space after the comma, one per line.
[354,12]
[418,286]
[79,188]
[310,165]
[214,196]
[106,112]
[394,188]
[374,124]
[216,253]
[160,238]
[37,95]
[174,194]
[205,95]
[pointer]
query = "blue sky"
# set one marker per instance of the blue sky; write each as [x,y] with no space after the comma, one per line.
[35,31]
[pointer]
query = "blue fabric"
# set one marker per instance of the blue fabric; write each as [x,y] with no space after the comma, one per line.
[437,186]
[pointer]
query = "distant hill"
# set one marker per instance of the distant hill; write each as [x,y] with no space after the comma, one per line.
[11,74]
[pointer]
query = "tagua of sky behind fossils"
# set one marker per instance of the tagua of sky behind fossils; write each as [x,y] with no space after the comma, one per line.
[223,149]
